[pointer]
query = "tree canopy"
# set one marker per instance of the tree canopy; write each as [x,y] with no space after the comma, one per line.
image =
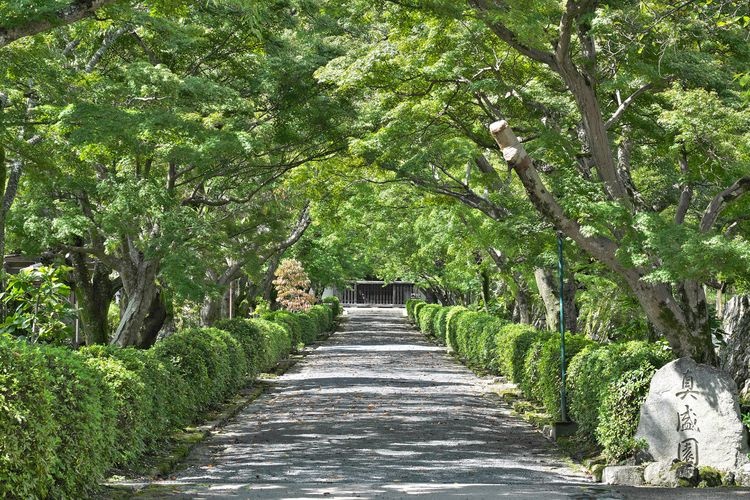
[166,150]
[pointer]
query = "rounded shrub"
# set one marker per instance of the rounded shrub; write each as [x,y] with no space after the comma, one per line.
[277,340]
[451,326]
[511,347]
[309,326]
[251,340]
[335,304]
[193,357]
[425,317]
[439,324]
[491,335]
[323,315]
[470,336]
[29,430]
[84,412]
[620,412]
[550,381]
[417,307]
[132,404]
[290,321]
[593,369]
[410,306]
[531,375]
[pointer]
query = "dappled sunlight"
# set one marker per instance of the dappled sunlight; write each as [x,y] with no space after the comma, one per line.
[376,404]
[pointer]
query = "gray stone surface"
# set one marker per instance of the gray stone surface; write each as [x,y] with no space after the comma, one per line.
[631,475]
[692,414]
[378,412]
[660,474]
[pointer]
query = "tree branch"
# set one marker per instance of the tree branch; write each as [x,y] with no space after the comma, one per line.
[686,194]
[625,104]
[514,153]
[483,9]
[109,40]
[711,214]
[77,10]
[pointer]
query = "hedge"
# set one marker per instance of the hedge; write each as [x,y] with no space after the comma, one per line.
[513,343]
[440,323]
[425,316]
[290,321]
[606,383]
[410,304]
[335,304]
[598,370]
[69,416]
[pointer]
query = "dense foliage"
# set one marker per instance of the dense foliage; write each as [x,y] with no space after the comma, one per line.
[179,157]
[68,416]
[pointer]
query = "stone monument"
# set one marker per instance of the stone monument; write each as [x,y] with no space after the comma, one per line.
[692,415]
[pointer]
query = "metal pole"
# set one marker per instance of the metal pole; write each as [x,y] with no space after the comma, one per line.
[561,270]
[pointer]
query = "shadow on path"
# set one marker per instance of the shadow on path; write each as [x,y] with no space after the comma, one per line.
[377,411]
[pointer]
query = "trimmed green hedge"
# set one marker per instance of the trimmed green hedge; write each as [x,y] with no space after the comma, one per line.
[600,370]
[410,304]
[425,316]
[290,321]
[335,304]
[439,324]
[511,348]
[606,383]
[68,416]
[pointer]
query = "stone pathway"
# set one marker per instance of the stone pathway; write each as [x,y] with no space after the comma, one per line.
[378,412]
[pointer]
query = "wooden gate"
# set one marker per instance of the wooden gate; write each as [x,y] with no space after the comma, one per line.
[376,293]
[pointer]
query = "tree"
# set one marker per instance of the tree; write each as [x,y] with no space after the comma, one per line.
[292,285]
[611,111]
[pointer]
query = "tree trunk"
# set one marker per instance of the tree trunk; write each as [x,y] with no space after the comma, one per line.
[522,307]
[267,286]
[139,284]
[157,315]
[95,291]
[213,305]
[735,355]
[485,277]
[548,284]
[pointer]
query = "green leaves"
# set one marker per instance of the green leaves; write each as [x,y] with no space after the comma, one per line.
[38,299]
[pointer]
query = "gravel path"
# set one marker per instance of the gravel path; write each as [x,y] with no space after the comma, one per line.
[377,411]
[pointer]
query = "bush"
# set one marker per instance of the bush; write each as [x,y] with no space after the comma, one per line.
[471,341]
[425,317]
[252,341]
[57,424]
[531,375]
[550,382]
[492,335]
[277,340]
[29,432]
[68,416]
[417,307]
[324,317]
[511,347]
[410,305]
[593,370]
[335,304]
[451,326]
[620,412]
[201,357]
[309,325]
[439,324]
[290,321]
[84,414]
